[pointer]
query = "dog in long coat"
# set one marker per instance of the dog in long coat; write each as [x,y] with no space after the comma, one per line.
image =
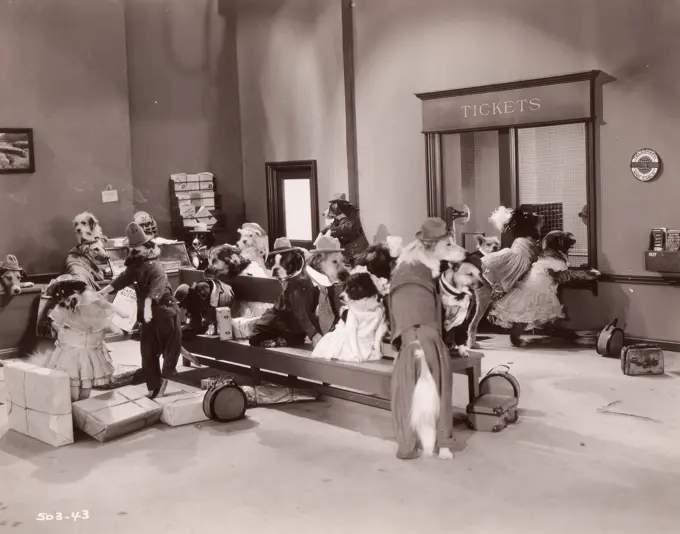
[421,380]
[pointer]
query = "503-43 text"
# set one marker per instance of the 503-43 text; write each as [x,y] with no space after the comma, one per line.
[59,516]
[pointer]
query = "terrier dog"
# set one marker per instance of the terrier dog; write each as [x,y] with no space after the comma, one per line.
[457,284]
[486,245]
[358,337]
[84,260]
[254,243]
[11,276]
[87,227]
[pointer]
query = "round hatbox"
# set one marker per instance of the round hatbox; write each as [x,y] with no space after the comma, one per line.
[499,382]
[225,401]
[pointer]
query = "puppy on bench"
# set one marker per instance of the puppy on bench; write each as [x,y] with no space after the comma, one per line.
[310,303]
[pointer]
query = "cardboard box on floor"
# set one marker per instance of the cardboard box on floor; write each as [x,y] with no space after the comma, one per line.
[182,408]
[39,403]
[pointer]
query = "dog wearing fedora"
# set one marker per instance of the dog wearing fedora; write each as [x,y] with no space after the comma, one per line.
[254,243]
[199,249]
[503,269]
[157,310]
[200,301]
[344,224]
[309,305]
[421,380]
[11,275]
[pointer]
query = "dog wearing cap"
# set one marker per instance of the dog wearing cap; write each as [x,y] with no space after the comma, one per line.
[199,249]
[421,380]
[502,270]
[157,310]
[344,224]
[309,305]
[254,243]
[11,275]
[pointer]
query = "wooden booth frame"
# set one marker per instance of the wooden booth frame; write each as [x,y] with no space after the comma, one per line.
[439,118]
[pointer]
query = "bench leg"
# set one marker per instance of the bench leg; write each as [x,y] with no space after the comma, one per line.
[474,376]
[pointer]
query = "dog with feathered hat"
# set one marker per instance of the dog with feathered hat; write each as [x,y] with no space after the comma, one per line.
[157,310]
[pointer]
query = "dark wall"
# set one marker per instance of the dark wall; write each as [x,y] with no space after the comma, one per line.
[64,75]
[184,102]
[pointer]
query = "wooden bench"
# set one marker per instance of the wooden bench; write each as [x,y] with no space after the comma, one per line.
[366,383]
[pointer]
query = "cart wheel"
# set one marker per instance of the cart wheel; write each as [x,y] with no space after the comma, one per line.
[515,418]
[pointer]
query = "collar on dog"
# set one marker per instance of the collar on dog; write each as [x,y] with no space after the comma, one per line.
[458,294]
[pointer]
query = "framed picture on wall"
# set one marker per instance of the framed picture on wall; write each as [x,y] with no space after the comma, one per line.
[16,151]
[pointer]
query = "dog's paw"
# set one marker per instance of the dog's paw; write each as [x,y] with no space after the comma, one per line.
[463,351]
[473,346]
[268,344]
[445,454]
[280,342]
[211,330]
[594,273]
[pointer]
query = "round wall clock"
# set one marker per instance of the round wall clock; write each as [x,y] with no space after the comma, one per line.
[645,164]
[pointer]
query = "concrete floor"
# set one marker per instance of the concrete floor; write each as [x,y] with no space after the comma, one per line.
[329,466]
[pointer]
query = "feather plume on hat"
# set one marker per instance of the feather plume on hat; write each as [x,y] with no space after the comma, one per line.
[500,217]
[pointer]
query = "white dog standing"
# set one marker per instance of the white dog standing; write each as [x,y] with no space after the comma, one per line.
[421,380]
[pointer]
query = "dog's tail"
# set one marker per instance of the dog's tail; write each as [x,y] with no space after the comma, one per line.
[425,403]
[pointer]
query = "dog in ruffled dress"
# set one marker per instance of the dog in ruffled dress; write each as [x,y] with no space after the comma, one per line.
[534,301]
[503,269]
[357,337]
[254,244]
[422,379]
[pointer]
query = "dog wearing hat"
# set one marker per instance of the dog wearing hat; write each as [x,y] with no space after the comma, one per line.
[502,270]
[11,275]
[157,310]
[344,224]
[309,305]
[199,250]
[421,380]
[254,243]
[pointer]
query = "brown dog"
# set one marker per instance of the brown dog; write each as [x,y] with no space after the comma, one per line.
[10,276]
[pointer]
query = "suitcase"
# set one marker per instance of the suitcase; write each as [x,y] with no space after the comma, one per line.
[642,359]
[499,382]
[492,413]
[225,401]
[610,341]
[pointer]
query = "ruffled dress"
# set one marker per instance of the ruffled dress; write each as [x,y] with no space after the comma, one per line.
[504,268]
[354,340]
[80,350]
[534,301]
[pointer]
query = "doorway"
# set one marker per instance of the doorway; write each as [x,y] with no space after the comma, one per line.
[293,202]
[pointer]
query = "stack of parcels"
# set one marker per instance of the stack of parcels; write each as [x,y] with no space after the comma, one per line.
[116,413]
[267,393]
[195,198]
[39,403]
